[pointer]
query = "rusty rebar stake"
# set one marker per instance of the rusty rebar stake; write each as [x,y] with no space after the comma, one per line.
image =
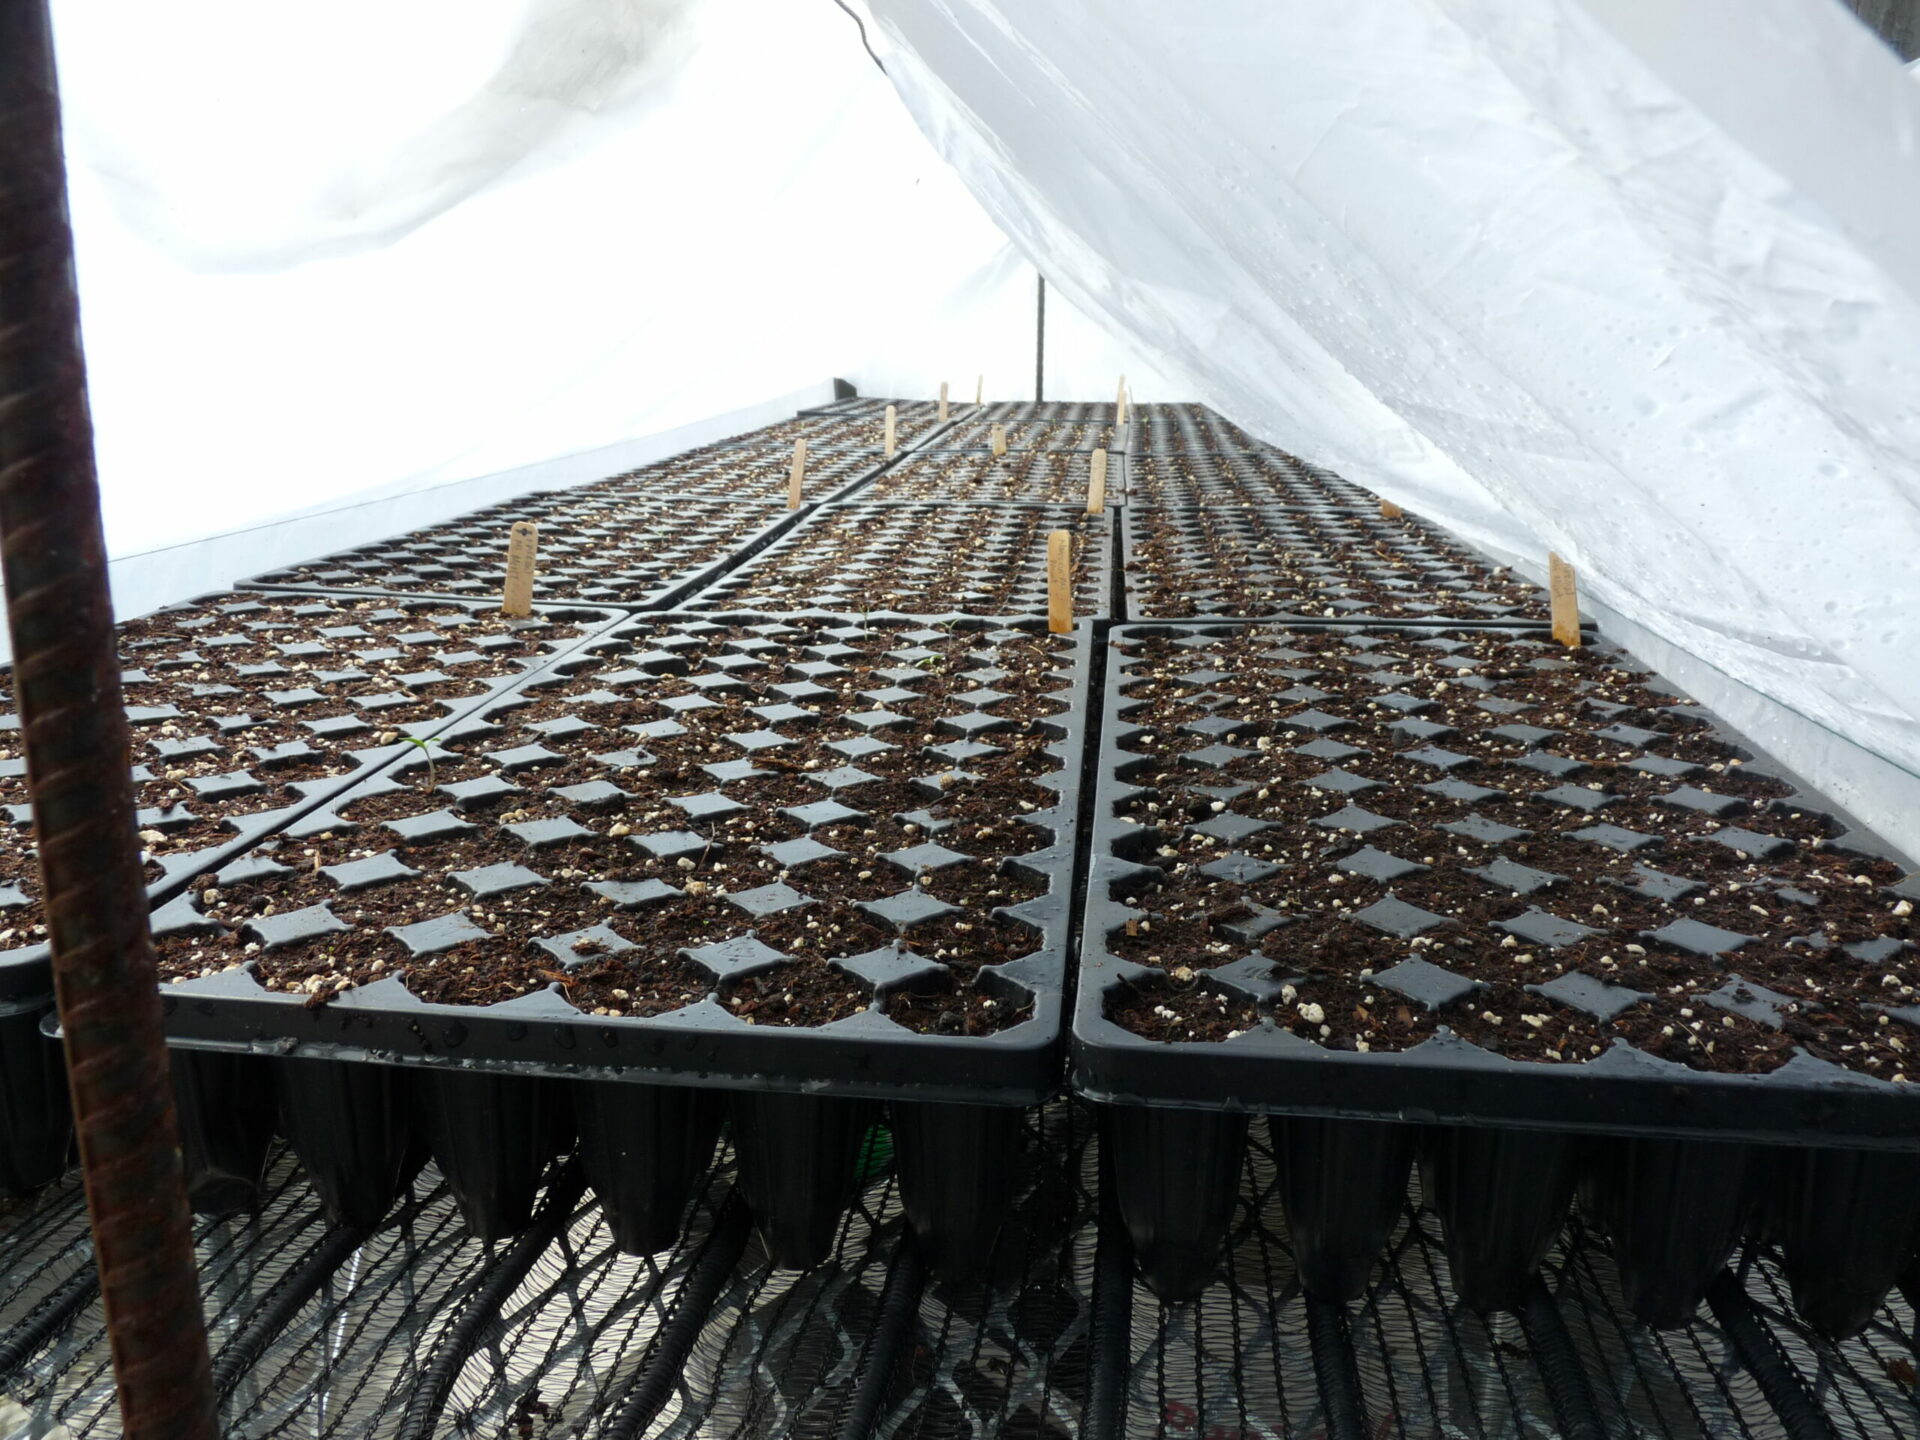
[67,681]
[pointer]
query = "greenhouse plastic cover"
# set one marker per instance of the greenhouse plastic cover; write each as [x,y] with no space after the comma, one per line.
[1635,281]
[1631,280]
[350,269]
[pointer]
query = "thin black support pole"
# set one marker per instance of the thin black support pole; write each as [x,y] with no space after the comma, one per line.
[899,1305]
[1760,1353]
[1110,1323]
[1568,1391]
[650,1390]
[66,678]
[1040,342]
[435,1384]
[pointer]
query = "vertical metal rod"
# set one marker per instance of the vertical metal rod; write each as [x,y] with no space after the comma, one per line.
[67,682]
[1760,1353]
[1558,1361]
[899,1306]
[1110,1320]
[1040,343]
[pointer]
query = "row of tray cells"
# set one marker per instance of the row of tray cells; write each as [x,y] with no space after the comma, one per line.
[904,873]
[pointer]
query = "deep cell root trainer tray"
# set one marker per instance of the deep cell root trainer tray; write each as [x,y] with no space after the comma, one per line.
[246,710]
[812,861]
[598,548]
[1366,880]
[1257,562]
[924,559]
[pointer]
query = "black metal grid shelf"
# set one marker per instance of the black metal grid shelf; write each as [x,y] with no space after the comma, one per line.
[707,1340]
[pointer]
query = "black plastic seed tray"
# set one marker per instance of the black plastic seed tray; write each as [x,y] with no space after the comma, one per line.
[836,431]
[622,873]
[924,559]
[750,470]
[1262,477]
[1045,435]
[1187,429]
[598,548]
[1471,881]
[1049,412]
[1263,561]
[248,710]
[1020,477]
[912,420]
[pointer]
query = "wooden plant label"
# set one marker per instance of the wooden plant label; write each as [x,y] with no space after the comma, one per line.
[1390,511]
[943,402]
[1097,485]
[1060,582]
[998,439]
[979,387]
[891,447]
[798,475]
[522,540]
[1566,602]
[1120,403]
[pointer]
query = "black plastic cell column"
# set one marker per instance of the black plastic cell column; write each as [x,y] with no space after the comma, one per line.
[644,1148]
[351,1125]
[956,1166]
[799,1157]
[1674,1210]
[36,1125]
[226,1109]
[492,1136]
[1502,1196]
[1176,1175]
[1343,1184]
[1845,1221]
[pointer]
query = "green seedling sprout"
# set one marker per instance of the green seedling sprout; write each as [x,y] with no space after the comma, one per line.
[426,750]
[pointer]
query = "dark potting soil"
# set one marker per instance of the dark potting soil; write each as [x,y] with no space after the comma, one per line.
[238,700]
[923,560]
[1030,435]
[813,792]
[1532,846]
[1259,476]
[609,544]
[964,477]
[1259,561]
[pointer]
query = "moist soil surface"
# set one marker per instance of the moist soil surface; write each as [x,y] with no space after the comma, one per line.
[1030,435]
[1320,563]
[239,700]
[845,809]
[923,560]
[597,548]
[1019,476]
[1181,429]
[1260,476]
[1512,813]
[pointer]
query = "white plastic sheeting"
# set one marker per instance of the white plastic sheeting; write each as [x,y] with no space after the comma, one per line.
[1631,280]
[360,247]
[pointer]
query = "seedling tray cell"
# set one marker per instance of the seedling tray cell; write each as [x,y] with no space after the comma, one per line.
[1030,435]
[1261,476]
[249,708]
[598,547]
[1049,412]
[1021,477]
[835,431]
[924,559]
[748,471]
[1262,561]
[812,855]
[1465,878]
[1188,430]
